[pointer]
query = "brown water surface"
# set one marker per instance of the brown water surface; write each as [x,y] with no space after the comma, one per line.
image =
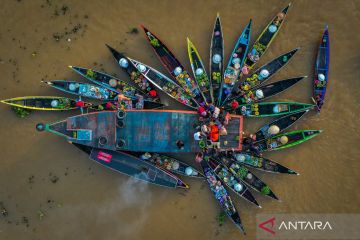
[91,202]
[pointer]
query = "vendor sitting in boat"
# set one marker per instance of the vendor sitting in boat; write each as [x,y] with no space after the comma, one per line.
[248,144]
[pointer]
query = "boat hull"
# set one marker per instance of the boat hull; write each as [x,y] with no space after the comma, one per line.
[141,131]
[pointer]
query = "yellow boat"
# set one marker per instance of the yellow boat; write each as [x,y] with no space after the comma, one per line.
[47,103]
[199,71]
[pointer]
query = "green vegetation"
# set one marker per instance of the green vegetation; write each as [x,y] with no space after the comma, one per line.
[221,218]
[265,190]
[21,112]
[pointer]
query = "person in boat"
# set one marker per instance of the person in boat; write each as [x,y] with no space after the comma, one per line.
[121,98]
[140,101]
[249,144]
[180,144]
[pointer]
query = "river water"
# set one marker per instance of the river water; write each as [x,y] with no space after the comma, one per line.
[52,191]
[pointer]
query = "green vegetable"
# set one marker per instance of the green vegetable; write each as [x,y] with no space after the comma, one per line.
[221,218]
[21,112]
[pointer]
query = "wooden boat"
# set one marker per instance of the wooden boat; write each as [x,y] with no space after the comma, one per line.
[221,195]
[142,131]
[281,123]
[286,140]
[264,92]
[46,103]
[107,81]
[322,70]
[114,105]
[174,67]
[199,71]
[169,164]
[140,81]
[235,63]
[232,182]
[264,73]
[244,174]
[132,166]
[83,89]
[260,163]
[165,84]
[270,109]
[265,39]
[217,59]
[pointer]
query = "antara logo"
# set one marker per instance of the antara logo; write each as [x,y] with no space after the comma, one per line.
[270,225]
[305,225]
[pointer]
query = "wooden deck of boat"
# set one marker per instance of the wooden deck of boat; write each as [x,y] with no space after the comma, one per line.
[158,131]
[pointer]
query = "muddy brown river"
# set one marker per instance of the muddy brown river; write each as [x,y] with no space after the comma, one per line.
[52,191]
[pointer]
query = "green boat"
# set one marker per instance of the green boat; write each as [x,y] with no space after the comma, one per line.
[270,109]
[199,71]
[286,140]
[279,125]
[45,103]
[259,163]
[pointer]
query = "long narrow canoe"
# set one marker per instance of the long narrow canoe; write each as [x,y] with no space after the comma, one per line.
[136,77]
[264,92]
[165,84]
[199,71]
[260,163]
[244,174]
[235,63]
[133,167]
[265,39]
[270,109]
[217,59]
[221,195]
[286,140]
[322,70]
[169,164]
[113,105]
[174,67]
[264,73]
[281,124]
[46,103]
[236,185]
[83,89]
[110,82]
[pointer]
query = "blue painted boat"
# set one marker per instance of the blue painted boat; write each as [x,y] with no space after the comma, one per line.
[236,61]
[142,131]
[322,70]
[132,166]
